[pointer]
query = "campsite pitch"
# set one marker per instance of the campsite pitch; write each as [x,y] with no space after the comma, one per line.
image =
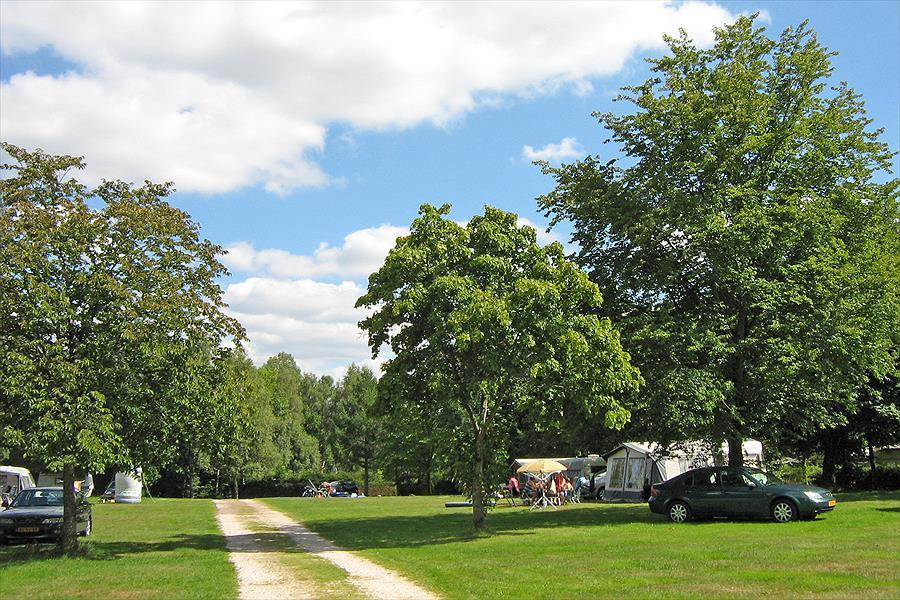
[175,549]
[618,550]
[161,548]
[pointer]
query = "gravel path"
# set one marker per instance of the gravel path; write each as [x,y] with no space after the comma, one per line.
[260,575]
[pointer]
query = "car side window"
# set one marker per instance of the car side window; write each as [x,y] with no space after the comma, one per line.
[705,479]
[733,478]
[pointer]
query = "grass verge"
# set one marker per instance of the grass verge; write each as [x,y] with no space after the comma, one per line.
[617,550]
[161,548]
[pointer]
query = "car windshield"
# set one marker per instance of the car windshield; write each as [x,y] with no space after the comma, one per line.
[38,497]
[761,477]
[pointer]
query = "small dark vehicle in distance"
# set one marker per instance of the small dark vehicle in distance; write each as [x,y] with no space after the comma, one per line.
[37,514]
[737,492]
[344,488]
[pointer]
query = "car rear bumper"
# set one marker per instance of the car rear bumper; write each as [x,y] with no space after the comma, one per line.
[657,505]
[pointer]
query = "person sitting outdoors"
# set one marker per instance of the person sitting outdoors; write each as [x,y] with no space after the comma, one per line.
[567,490]
[528,490]
[513,486]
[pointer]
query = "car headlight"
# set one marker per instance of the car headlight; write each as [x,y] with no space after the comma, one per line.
[814,496]
[6,521]
[52,521]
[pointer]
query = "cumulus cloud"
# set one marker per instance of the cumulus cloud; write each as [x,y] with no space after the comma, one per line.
[362,253]
[216,96]
[285,309]
[544,237]
[315,322]
[567,148]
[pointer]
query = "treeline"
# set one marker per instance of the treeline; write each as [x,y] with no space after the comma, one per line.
[290,426]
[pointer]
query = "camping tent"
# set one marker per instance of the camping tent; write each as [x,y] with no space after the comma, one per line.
[128,487]
[633,464]
[16,478]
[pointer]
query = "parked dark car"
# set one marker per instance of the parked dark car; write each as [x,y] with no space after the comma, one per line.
[37,514]
[737,492]
[344,488]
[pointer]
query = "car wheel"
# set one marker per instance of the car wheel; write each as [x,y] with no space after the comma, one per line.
[87,530]
[679,512]
[784,511]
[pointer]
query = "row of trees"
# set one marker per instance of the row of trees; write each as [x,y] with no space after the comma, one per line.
[298,423]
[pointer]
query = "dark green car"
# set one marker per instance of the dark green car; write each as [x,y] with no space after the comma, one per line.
[737,492]
[37,514]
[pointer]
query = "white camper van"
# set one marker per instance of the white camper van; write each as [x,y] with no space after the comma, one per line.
[12,481]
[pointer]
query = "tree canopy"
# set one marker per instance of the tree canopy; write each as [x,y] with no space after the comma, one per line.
[744,242]
[481,319]
[111,322]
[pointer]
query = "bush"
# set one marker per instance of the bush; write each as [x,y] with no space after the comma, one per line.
[794,472]
[853,476]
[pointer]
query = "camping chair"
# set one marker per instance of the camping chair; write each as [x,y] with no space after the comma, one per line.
[575,497]
[506,494]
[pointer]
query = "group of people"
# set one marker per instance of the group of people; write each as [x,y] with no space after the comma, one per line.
[557,488]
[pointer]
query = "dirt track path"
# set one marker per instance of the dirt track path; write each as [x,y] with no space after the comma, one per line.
[261,575]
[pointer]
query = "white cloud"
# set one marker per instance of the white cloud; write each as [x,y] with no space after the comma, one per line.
[567,148]
[362,253]
[544,237]
[315,322]
[216,96]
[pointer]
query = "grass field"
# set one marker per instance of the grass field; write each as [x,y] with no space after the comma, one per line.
[157,549]
[172,549]
[615,550]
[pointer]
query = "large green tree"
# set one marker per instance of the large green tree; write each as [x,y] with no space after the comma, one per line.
[743,240]
[111,322]
[481,319]
[357,394]
[285,387]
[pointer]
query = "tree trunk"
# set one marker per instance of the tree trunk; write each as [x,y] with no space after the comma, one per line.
[829,458]
[68,539]
[738,373]
[871,450]
[216,493]
[735,451]
[478,513]
[366,476]
[236,488]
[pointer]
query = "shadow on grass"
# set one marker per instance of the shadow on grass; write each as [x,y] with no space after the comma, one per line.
[452,527]
[895,509]
[94,550]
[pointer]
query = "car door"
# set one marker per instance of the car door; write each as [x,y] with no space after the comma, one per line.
[704,493]
[740,494]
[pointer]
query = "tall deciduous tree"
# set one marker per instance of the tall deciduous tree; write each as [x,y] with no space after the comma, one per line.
[110,320]
[482,319]
[357,393]
[741,243]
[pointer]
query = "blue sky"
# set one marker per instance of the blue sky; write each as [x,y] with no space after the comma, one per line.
[304,137]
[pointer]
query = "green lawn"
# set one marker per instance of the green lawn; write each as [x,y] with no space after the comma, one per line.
[172,549]
[615,550]
[157,549]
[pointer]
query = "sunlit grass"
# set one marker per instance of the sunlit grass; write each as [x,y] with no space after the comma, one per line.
[157,549]
[617,550]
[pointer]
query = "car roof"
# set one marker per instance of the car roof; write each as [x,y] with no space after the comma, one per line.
[46,489]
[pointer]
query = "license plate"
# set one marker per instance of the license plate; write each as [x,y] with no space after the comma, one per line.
[27,529]
[832,502]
